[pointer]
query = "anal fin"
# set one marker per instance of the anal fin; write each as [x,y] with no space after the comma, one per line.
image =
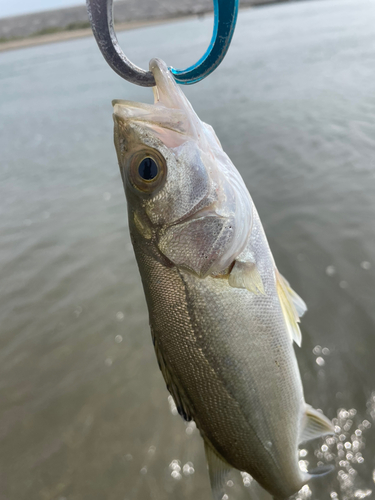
[314,425]
[218,471]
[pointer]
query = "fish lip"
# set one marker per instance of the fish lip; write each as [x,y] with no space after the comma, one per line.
[151,116]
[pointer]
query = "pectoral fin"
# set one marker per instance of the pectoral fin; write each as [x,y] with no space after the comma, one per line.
[314,425]
[218,471]
[292,305]
[246,275]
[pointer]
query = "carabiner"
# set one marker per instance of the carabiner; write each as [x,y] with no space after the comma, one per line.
[101,19]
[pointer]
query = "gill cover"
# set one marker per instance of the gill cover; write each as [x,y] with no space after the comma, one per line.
[201,212]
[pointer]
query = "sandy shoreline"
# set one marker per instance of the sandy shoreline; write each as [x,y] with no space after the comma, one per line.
[62,36]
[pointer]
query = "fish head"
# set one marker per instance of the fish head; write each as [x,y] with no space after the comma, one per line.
[184,194]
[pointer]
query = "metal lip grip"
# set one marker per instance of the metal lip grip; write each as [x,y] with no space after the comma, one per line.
[101,18]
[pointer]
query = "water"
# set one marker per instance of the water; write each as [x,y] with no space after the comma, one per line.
[84,411]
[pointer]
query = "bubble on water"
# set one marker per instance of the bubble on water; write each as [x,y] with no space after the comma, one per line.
[107,196]
[343,284]
[225,497]
[175,465]
[326,351]
[362,493]
[176,475]
[330,270]
[317,350]
[247,479]
[303,464]
[333,494]
[77,311]
[143,470]
[172,406]
[230,483]
[108,362]
[151,450]
[120,316]
[365,265]
[373,475]
[118,339]
[304,493]
[190,427]
[320,361]
[129,457]
[302,453]
[188,469]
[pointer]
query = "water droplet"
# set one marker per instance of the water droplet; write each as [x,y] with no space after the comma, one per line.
[330,270]
[120,316]
[268,445]
[118,339]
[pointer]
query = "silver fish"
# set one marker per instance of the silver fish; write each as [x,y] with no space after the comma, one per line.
[222,318]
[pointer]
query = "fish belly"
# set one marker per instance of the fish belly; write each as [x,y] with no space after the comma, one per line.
[228,354]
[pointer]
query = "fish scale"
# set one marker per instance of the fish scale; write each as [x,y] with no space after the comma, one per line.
[223,319]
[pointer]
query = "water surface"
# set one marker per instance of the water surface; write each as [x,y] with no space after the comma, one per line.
[84,412]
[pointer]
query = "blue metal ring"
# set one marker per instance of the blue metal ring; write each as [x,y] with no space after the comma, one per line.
[224,23]
[101,19]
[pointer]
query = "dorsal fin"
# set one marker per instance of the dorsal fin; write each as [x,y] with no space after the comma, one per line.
[292,306]
[218,471]
[314,425]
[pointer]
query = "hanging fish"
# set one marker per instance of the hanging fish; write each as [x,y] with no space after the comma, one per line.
[223,319]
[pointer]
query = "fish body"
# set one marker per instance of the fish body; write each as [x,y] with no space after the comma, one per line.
[223,319]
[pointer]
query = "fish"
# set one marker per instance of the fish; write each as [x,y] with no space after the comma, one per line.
[223,319]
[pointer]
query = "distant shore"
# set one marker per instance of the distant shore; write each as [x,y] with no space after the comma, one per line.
[70,23]
[61,36]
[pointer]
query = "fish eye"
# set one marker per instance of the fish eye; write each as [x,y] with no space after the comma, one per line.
[147,170]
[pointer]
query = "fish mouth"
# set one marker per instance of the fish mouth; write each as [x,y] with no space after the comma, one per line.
[153,116]
[171,112]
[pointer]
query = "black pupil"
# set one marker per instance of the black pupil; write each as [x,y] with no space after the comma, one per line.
[148,169]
